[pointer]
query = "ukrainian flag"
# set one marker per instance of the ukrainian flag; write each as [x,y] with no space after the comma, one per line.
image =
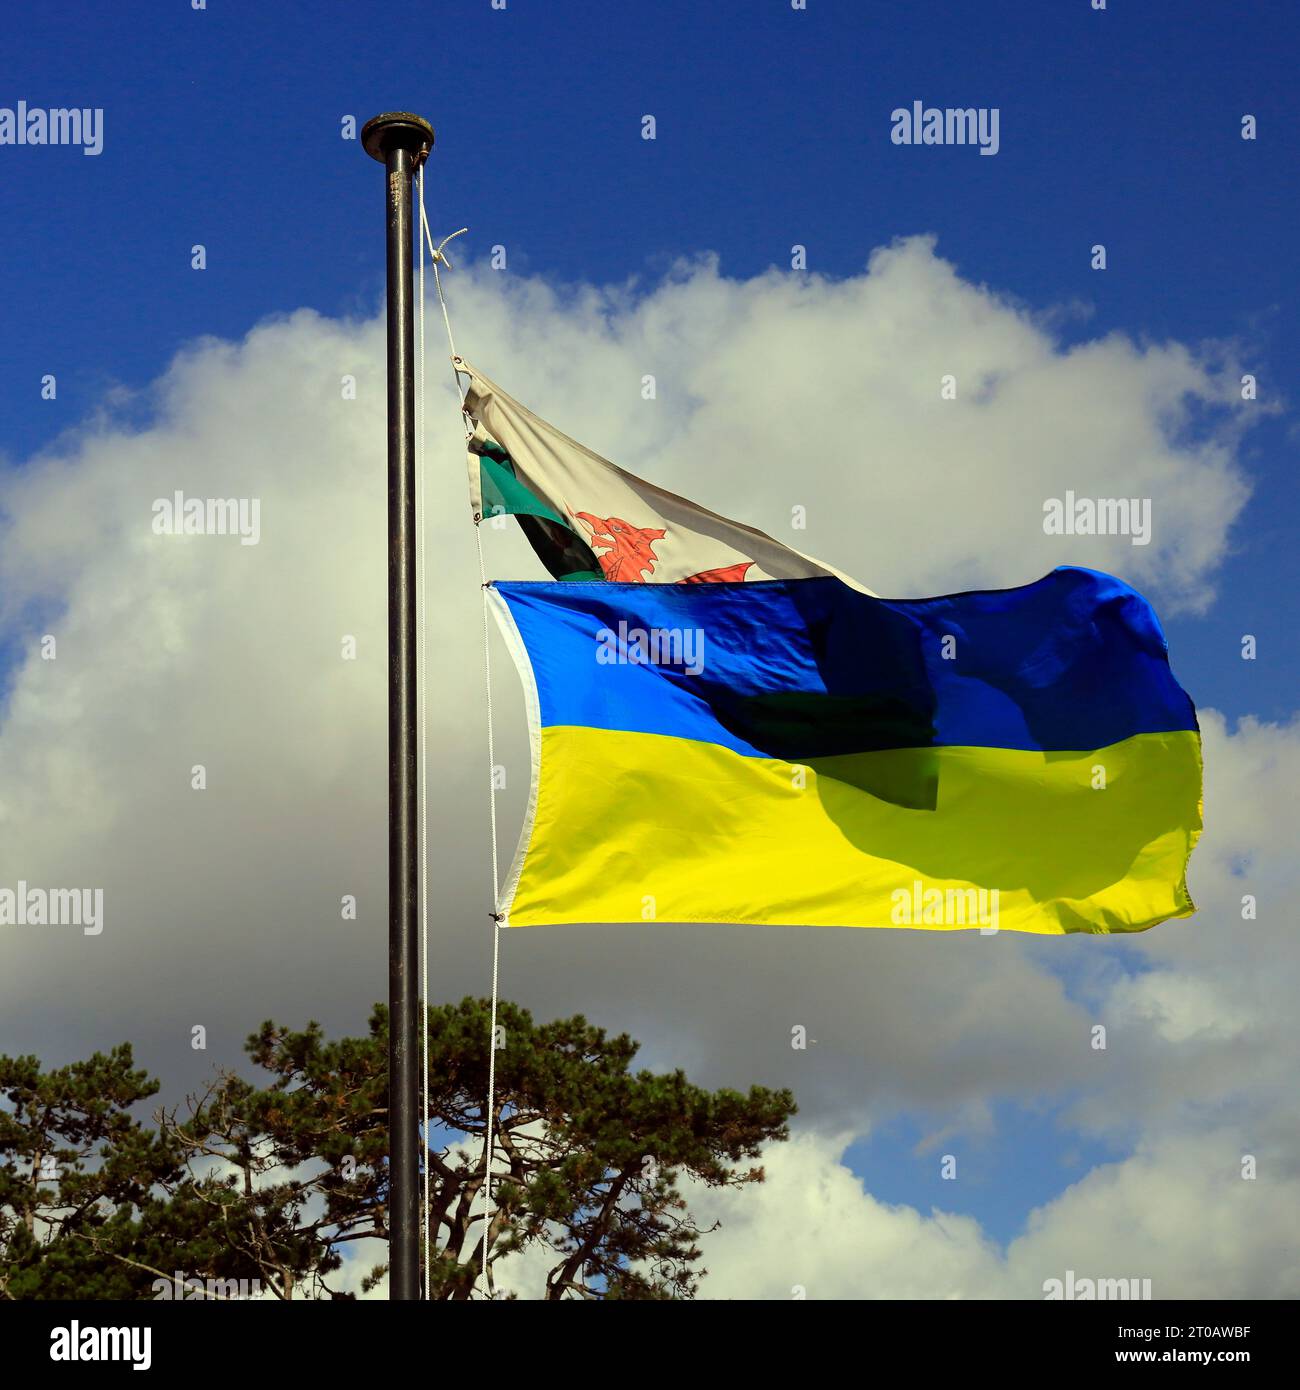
[798,752]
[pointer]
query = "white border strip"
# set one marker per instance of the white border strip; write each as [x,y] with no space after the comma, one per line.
[519,654]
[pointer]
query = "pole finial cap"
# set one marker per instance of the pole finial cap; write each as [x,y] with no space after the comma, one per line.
[397,130]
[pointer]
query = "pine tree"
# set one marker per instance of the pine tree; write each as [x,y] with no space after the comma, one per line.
[272,1182]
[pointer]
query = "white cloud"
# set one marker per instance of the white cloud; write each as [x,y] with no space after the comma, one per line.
[223,907]
[1177,1007]
[811,1231]
[1178,1213]
[792,390]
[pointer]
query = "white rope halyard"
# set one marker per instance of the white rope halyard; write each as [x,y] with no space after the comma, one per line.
[496,923]
[437,257]
[423,723]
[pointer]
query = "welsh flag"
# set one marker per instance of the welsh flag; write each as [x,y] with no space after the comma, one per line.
[588,519]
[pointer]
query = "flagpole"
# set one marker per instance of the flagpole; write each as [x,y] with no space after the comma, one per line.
[401,141]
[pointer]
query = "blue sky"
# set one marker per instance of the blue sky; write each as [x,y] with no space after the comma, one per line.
[222,126]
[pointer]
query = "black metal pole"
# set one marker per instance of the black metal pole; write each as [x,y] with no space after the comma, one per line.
[400,141]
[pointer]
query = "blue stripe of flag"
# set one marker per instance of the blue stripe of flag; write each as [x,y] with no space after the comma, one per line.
[810,667]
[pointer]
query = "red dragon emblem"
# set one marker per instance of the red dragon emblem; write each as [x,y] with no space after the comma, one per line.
[626,553]
[725,574]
